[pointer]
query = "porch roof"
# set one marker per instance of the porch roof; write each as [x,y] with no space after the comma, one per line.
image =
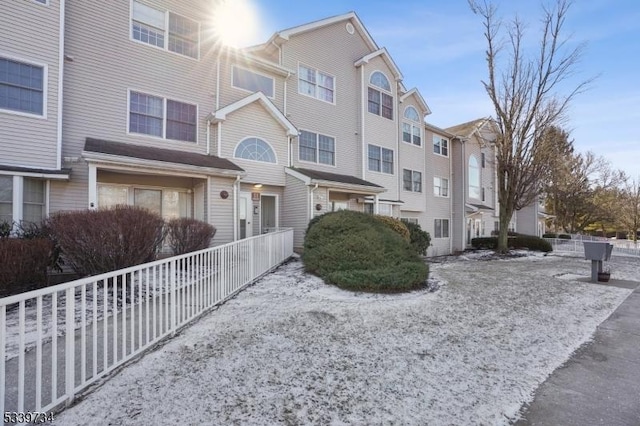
[62,174]
[477,208]
[139,152]
[334,180]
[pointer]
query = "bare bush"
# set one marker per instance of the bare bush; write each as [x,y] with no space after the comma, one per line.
[187,235]
[24,264]
[98,241]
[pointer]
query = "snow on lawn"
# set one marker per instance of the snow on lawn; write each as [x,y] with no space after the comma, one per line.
[293,350]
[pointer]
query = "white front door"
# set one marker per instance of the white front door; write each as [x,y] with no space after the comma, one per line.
[245,215]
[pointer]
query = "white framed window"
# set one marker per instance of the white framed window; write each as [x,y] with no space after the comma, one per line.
[251,81]
[441,228]
[170,203]
[28,194]
[317,148]
[380,159]
[440,187]
[474,178]
[410,220]
[255,149]
[440,146]
[45,2]
[380,98]
[411,180]
[315,83]
[147,116]
[385,209]
[23,87]
[339,205]
[165,29]
[411,131]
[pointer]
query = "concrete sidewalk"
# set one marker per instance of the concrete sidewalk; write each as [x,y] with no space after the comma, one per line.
[600,384]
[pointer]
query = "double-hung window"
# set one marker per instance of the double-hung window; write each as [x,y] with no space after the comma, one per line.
[380,98]
[252,81]
[440,146]
[317,148]
[315,83]
[380,159]
[411,131]
[165,29]
[22,87]
[32,204]
[440,187]
[147,116]
[441,228]
[411,180]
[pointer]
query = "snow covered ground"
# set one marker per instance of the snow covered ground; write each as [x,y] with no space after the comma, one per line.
[292,350]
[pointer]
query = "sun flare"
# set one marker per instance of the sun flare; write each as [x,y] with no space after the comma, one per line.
[236,22]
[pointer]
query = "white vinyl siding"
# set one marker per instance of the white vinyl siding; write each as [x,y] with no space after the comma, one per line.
[147,116]
[252,81]
[317,148]
[165,29]
[315,83]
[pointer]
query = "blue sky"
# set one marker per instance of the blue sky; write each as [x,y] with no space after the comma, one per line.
[439,48]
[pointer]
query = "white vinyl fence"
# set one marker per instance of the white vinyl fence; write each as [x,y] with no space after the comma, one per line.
[57,341]
[627,248]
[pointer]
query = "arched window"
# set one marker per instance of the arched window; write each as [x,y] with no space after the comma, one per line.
[380,80]
[380,103]
[412,132]
[474,178]
[255,149]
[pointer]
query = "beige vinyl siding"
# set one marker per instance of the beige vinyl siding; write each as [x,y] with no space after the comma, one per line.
[458,191]
[106,67]
[381,131]
[412,157]
[254,121]
[317,49]
[527,220]
[296,213]
[72,194]
[230,94]
[30,33]
[220,211]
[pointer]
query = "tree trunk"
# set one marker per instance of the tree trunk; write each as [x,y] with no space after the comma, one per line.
[505,218]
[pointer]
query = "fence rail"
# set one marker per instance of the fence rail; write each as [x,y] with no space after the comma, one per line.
[57,341]
[577,246]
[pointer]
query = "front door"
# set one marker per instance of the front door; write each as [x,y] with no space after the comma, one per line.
[245,215]
[268,213]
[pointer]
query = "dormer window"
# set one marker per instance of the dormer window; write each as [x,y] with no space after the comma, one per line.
[380,96]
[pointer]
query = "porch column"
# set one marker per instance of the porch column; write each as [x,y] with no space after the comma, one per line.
[18,199]
[93,187]
[376,204]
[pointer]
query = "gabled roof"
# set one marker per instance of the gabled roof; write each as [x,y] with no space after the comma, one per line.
[118,149]
[438,130]
[386,57]
[467,129]
[281,36]
[221,114]
[416,94]
[333,179]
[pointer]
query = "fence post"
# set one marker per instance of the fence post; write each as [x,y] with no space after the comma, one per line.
[174,297]
[69,351]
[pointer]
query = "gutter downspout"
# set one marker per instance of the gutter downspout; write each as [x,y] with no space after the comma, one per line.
[218,83]
[60,85]
[451,196]
[208,137]
[312,190]
[362,117]
[464,196]
[220,139]
[235,208]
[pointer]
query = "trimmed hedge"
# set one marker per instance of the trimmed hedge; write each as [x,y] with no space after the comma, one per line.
[420,240]
[554,235]
[186,235]
[395,225]
[98,241]
[518,242]
[356,251]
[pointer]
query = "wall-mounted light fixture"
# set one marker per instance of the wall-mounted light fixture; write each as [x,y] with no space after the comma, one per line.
[257,185]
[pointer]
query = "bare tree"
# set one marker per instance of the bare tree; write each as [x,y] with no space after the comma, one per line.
[523,92]
[630,213]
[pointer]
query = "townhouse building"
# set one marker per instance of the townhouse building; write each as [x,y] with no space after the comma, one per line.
[155,112]
[31,69]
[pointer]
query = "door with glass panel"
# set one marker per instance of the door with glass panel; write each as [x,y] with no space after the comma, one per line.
[245,212]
